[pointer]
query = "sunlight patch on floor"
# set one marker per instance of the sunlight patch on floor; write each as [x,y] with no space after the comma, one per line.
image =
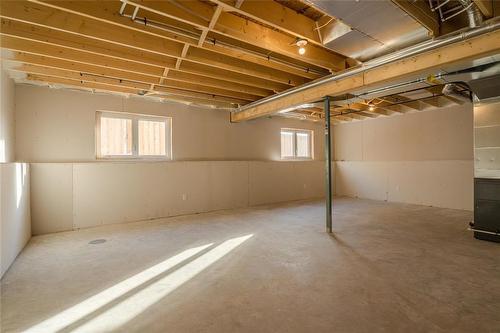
[88,306]
[133,306]
[130,307]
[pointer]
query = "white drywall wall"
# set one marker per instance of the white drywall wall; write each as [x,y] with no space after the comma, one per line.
[15,224]
[217,165]
[59,126]
[7,128]
[423,158]
[67,196]
[487,139]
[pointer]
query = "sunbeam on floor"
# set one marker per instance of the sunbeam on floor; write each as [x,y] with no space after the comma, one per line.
[126,309]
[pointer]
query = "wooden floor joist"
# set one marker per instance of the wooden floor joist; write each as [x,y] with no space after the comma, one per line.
[22,37]
[106,13]
[123,89]
[82,26]
[228,52]
[72,70]
[422,64]
[87,77]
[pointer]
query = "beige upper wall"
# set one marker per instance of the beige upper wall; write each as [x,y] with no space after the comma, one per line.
[422,158]
[439,134]
[58,126]
[7,127]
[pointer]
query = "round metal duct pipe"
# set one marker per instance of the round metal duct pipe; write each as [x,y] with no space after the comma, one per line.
[473,13]
[457,91]
[405,53]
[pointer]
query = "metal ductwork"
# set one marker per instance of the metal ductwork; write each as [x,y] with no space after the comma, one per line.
[374,63]
[458,91]
[376,28]
[473,13]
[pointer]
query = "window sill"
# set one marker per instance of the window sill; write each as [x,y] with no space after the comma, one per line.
[292,159]
[133,159]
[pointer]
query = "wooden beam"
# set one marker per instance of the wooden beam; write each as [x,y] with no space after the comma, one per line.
[274,41]
[79,25]
[248,31]
[420,12]
[213,20]
[181,76]
[121,89]
[432,101]
[143,73]
[277,16]
[25,62]
[422,64]
[343,117]
[87,77]
[18,34]
[485,6]
[355,115]
[38,46]
[106,12]
[47,61]
[366,108]
[268,61]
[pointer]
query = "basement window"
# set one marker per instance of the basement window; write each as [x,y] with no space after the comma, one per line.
[122,135]
[296,144]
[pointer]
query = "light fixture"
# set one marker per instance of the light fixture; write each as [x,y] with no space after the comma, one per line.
[301,43]
[371,107]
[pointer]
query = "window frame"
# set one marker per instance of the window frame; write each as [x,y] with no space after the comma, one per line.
[311,144]
[135,117]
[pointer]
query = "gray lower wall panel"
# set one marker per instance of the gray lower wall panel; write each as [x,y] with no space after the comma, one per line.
[68,196]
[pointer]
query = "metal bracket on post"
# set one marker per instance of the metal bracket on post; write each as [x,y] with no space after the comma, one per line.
[328,165]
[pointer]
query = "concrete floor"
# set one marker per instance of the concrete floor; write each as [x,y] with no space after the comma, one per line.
[390,268]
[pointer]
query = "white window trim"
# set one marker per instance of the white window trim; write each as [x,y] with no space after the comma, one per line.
[311,146]
[135,117]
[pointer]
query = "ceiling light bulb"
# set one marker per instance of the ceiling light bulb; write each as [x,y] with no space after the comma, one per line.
[301,43]
[371,108]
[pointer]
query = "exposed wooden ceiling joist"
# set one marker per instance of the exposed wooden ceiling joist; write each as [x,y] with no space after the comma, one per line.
[83,26]
[139,86]
[277,16]
[121,89]
[231,25]
[41,40]
[246,30]
[36,64]
[382,106]
[485,6]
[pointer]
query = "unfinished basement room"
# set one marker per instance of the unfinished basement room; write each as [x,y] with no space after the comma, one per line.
[250,166]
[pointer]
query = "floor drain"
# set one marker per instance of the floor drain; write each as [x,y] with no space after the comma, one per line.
[97,241]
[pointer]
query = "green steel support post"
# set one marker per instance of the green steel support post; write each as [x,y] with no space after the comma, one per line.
[328,166]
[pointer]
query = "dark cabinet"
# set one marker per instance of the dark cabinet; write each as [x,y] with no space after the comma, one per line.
[487,209]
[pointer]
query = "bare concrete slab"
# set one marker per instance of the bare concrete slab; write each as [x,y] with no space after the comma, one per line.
[389,268]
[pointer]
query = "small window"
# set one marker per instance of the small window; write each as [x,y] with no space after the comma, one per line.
[125,135]
[296,144]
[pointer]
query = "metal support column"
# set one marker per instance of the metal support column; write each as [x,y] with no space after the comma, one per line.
[328,166]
